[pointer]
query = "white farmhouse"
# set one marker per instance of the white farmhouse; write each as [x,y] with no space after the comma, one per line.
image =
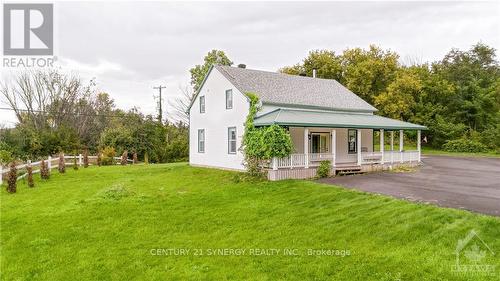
[326,122]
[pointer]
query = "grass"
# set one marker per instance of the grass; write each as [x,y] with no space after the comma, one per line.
[107,223]
[433,151]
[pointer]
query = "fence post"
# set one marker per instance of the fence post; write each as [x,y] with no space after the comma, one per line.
[49,162]
[80,159]
[275,164]
[291,161]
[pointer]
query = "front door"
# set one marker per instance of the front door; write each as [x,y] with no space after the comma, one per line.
[319,142]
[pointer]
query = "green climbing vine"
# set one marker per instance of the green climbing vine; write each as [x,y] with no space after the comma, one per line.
[263,143]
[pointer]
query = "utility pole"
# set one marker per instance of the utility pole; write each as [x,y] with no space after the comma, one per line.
[160,114]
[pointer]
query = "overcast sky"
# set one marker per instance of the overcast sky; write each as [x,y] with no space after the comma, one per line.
[131,47]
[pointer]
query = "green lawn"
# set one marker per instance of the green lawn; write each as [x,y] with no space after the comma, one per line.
[433,151]
[105,224]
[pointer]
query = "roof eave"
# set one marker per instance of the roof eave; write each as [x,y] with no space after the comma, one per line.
[389,128]
[294,105]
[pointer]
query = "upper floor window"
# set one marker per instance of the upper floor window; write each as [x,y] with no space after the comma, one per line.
[229,99]
[231,140]
[352,135]
[201,140]
[202,104]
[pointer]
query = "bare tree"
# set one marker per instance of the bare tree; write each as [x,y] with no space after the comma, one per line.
[48,100]
[181,104]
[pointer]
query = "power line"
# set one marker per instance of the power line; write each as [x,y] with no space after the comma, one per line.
[75,114]
[160,111]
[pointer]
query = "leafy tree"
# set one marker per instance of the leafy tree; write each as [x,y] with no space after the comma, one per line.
[368,72]
[199,72]
[398,101]
[326,63]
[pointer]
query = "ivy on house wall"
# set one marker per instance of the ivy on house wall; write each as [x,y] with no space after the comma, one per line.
[263,143]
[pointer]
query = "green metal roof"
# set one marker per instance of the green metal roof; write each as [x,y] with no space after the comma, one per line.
[308,118]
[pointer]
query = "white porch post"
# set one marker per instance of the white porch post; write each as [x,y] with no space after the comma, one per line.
[401,145]
[419,145]
[392,140]
[382,145]
[306,146]
[358,146]
[392,147]
[334,146]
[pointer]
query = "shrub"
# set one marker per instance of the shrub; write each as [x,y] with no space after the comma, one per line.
[75,163]
[44,170]
[123,161]
[464,145]
[5,156]
[146,158]
[324,169]
[99,159]
[12,179]
[62,165]
[29,172]
[108,156]
[86,158]
[134,158]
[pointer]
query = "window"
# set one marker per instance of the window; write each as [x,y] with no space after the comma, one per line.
[202,104]
[231,140]
[351,141]
[229,99]
[201,140]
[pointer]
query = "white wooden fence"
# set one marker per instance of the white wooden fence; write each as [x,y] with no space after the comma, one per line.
[51,162]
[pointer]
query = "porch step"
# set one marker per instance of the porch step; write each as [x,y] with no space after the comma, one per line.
[348,170]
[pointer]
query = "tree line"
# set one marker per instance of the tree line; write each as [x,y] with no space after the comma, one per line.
[57,112]
[457,98]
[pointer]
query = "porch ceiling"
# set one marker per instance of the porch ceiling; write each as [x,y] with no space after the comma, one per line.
[305,118]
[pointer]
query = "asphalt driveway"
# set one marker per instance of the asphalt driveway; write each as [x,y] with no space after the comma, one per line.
[459,182]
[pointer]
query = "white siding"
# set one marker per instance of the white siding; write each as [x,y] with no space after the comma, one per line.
[216,120]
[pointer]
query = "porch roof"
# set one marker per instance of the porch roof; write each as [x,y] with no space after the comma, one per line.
[308,118]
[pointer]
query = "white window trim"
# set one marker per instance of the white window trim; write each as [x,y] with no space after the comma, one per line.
[201,140]
[202,109]
[229,140]
[355,141]
[229,91]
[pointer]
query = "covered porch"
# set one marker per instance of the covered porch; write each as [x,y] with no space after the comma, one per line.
[345,139]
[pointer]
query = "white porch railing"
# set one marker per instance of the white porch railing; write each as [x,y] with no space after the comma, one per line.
[300,160]
[407,156]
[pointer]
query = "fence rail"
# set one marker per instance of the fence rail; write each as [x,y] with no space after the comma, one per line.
[51,162]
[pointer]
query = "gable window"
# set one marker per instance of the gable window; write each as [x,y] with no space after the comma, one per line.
[201,140]
[229,99]
[202,104]
[352,135]
[231,140]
